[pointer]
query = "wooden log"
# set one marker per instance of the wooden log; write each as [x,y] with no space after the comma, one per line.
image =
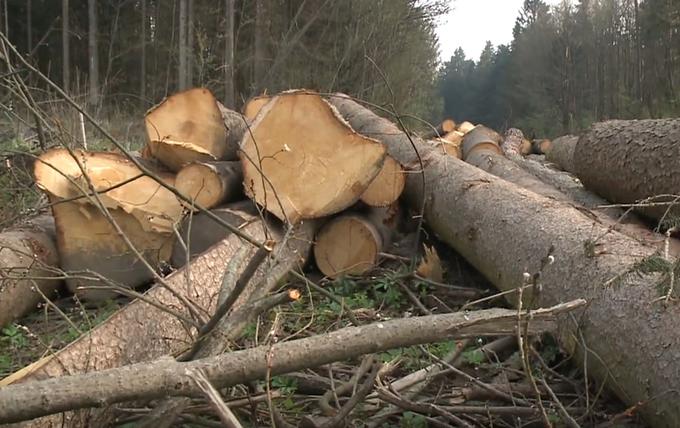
[514,142]
[28,259]
[236,125]
[445,127]
[210,184]
[540,146]
[465,127]
[186,127]
[627,161]
[254,105]
[561,152]
[163,378]
[301,160]
[454,149]
[87,240]
[387,186]
[481,139]
[141,331]
[350,244]
[506,231]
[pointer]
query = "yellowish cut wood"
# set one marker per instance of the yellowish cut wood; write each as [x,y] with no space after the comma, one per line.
[28,259]
[541,146]
[387,186]
[302,160]
[466,127]
[145,211]
[210,184]
[186,127]
[451,148]
[254,105]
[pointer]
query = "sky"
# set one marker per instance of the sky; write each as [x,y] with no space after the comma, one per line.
[470,23]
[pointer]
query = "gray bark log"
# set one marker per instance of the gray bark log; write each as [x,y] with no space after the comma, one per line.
[561,152]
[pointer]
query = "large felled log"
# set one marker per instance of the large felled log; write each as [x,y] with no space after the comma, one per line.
[187,126]
[141,331]
[170,378]
[28,259]
[505,231]
[387,186]
[144,211]
[254,105]
[209,184]
[445,127]
[561,152]
[627,161]
[481,139]
[350,243]
[301,160]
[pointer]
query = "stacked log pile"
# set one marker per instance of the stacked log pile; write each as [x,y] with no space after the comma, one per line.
[300,177]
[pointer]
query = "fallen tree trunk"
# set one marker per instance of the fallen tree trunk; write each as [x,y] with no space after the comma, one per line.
[298,140]
[505,231]
[387,186]
[629,161]
[561,152]
[210,184]
[28,259]
[254,105]
[167,377]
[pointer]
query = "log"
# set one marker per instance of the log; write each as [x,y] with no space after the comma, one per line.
[144,211]
[28,259]
[297,140]
[561,152]
[387,186]
[465,127]
[505,231]
[210,184]
[167,377]
[254,105]
[514,142]
[350,244]
[481,139]
[628,161]
[186,127]
[445,127]
[450,144]
[540,146]
[236,125]
[140,331]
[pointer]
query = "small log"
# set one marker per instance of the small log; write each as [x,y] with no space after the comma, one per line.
[387,186]
[451,144]
[350,244]
[167,377]
[481,139]
[514,142]
[186,127]
[236,125]
[297,140]
[28,258]
[540,146]
[525,147]
[145,211]
[447,126]
[210,184]
[561,152]
[254,105]
[465,127]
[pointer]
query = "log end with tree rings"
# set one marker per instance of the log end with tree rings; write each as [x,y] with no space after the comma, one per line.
[347,245]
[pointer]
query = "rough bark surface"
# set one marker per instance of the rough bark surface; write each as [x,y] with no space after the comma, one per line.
[139,331]
[627,161]
[561,152]
[621,326]
[28,257]
[237,126]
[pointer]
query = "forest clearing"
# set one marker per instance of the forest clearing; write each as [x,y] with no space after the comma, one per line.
[234,248]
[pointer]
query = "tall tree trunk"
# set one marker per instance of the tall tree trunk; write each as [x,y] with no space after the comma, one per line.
[229,55]
[142,71]
[93,52]
[190,44]
[260,34]
[65,52]
[29,27]
[183,17]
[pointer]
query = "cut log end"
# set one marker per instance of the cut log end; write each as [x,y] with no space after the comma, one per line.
[209,184]
[387,186]
[466,127]
[254,105]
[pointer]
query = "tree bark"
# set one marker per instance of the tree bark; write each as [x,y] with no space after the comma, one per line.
[29,27]
[28,258]
[65,51]
[182,83]
[167,377]
[229,97]
[561,152]
[93,53]
[630,161]
[142,68]
[260,35]
[505,231]
[139,331]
